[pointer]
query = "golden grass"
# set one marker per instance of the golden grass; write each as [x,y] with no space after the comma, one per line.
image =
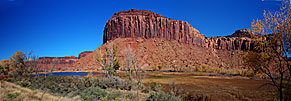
[27,94]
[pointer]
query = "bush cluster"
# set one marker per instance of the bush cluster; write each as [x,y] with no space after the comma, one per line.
[93,93]
[192,97]
[116,82]
[155,87]
[72,85]
[162,96]
[96,93]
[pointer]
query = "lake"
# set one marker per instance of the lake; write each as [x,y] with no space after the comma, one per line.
[66,74]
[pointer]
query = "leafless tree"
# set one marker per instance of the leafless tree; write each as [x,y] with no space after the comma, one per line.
[32,63]
[133,68]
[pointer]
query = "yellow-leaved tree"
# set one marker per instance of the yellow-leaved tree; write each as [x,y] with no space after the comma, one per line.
[5,66]
[17,64]
[271,54]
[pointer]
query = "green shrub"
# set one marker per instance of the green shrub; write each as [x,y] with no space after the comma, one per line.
[127,85]
[155,86]
[145,90]
[160,67]
[10,96]
[116,82]
[72,85]
[59,85]
[192,97]
[115,96]
[162,97]
[132,96]
[93,93]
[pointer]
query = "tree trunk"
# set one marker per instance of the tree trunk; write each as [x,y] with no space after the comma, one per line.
[281,94]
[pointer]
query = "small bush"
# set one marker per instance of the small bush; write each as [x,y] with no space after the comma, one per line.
[11,96]
[218,70]
[213,70]
[199,69]
[162,97]
[116,82]
[132,96]
[145,90]
[193,68]
[204,66]
[192,97]
[115,96]
[155,86]
[259,75]
[127,85]
[155,67]
[239,72]
[93,93]
[206,69]
[112,82]
[160,67]
[249,73]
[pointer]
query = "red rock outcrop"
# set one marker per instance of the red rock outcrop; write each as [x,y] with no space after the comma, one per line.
[146,24]
[61,63]
[57,63]
[85,53]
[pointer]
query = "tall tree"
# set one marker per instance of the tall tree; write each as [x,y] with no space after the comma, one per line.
[17,64]
[108,60]
[271,54]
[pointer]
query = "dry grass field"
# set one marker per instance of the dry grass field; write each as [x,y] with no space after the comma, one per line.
[216,87]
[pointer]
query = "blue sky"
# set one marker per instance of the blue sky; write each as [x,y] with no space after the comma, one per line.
[68,27]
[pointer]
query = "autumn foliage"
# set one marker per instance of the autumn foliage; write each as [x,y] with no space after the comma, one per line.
[272,49]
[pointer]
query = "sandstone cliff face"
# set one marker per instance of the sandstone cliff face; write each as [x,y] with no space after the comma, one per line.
[146,24]
[229,43]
